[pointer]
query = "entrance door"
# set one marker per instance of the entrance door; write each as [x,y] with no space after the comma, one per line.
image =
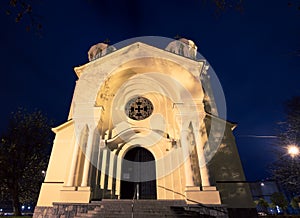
[138,168]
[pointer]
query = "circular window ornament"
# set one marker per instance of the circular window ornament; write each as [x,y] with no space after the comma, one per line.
[138,108]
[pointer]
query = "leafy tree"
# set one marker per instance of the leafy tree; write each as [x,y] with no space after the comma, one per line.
[295,202]
[291,127]
[24,152]
[286,170]
[262,205]
[278,199]
[294,4]
[21,10]
[24,11]
[223,5]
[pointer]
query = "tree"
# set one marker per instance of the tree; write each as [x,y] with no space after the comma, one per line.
[24,152]
[278,199]
[21,10]
[291,127]
[24,10]
[294,4]
[286,169]
[223,5]
[262,205]
[295,202]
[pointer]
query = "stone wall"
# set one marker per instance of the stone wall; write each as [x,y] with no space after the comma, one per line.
[60,210]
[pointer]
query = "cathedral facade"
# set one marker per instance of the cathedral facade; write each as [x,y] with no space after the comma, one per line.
[144,124]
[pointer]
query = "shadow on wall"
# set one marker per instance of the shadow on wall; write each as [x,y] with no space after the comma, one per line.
[228,174]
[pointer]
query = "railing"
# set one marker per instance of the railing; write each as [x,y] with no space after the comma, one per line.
[198,203]
[135,194]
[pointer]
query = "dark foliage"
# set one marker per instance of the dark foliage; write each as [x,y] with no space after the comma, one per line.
[278,199]
[24,152]
[286,169]
[224,5]
[295,202]
[262,205]
[22,12]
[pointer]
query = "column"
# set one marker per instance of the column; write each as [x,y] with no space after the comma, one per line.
[201,157]
[92,125]
[88,155]
[71,178]
[80,142]
[186,155]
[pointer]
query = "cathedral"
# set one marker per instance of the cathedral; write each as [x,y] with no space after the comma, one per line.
[144,126]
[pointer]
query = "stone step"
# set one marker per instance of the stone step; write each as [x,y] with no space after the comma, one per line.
[143,215]
[148,216]
[141,209]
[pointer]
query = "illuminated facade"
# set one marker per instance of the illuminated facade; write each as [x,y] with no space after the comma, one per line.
[142,125]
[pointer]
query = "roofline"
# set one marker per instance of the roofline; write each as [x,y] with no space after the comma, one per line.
[232,124]
[78,70]
[62,126]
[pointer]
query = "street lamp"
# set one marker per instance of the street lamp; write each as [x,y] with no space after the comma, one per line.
[293,150]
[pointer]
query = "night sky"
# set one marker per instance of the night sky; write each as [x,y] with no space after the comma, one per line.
[252,53]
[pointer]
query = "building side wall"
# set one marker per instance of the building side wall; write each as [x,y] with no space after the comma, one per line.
[58,167]
[227,173]
[61,154]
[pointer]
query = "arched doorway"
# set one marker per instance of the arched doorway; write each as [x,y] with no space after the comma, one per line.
[138,175]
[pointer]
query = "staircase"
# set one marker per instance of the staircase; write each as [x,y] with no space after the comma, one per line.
[149,208]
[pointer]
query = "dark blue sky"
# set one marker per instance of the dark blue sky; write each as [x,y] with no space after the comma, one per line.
[250,52]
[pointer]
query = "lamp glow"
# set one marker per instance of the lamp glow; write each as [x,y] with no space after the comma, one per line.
[293,150]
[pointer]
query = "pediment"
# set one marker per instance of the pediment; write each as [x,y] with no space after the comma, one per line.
[139,50]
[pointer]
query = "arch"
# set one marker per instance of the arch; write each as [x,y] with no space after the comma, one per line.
[151,76]
[114,79]
[138,166]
